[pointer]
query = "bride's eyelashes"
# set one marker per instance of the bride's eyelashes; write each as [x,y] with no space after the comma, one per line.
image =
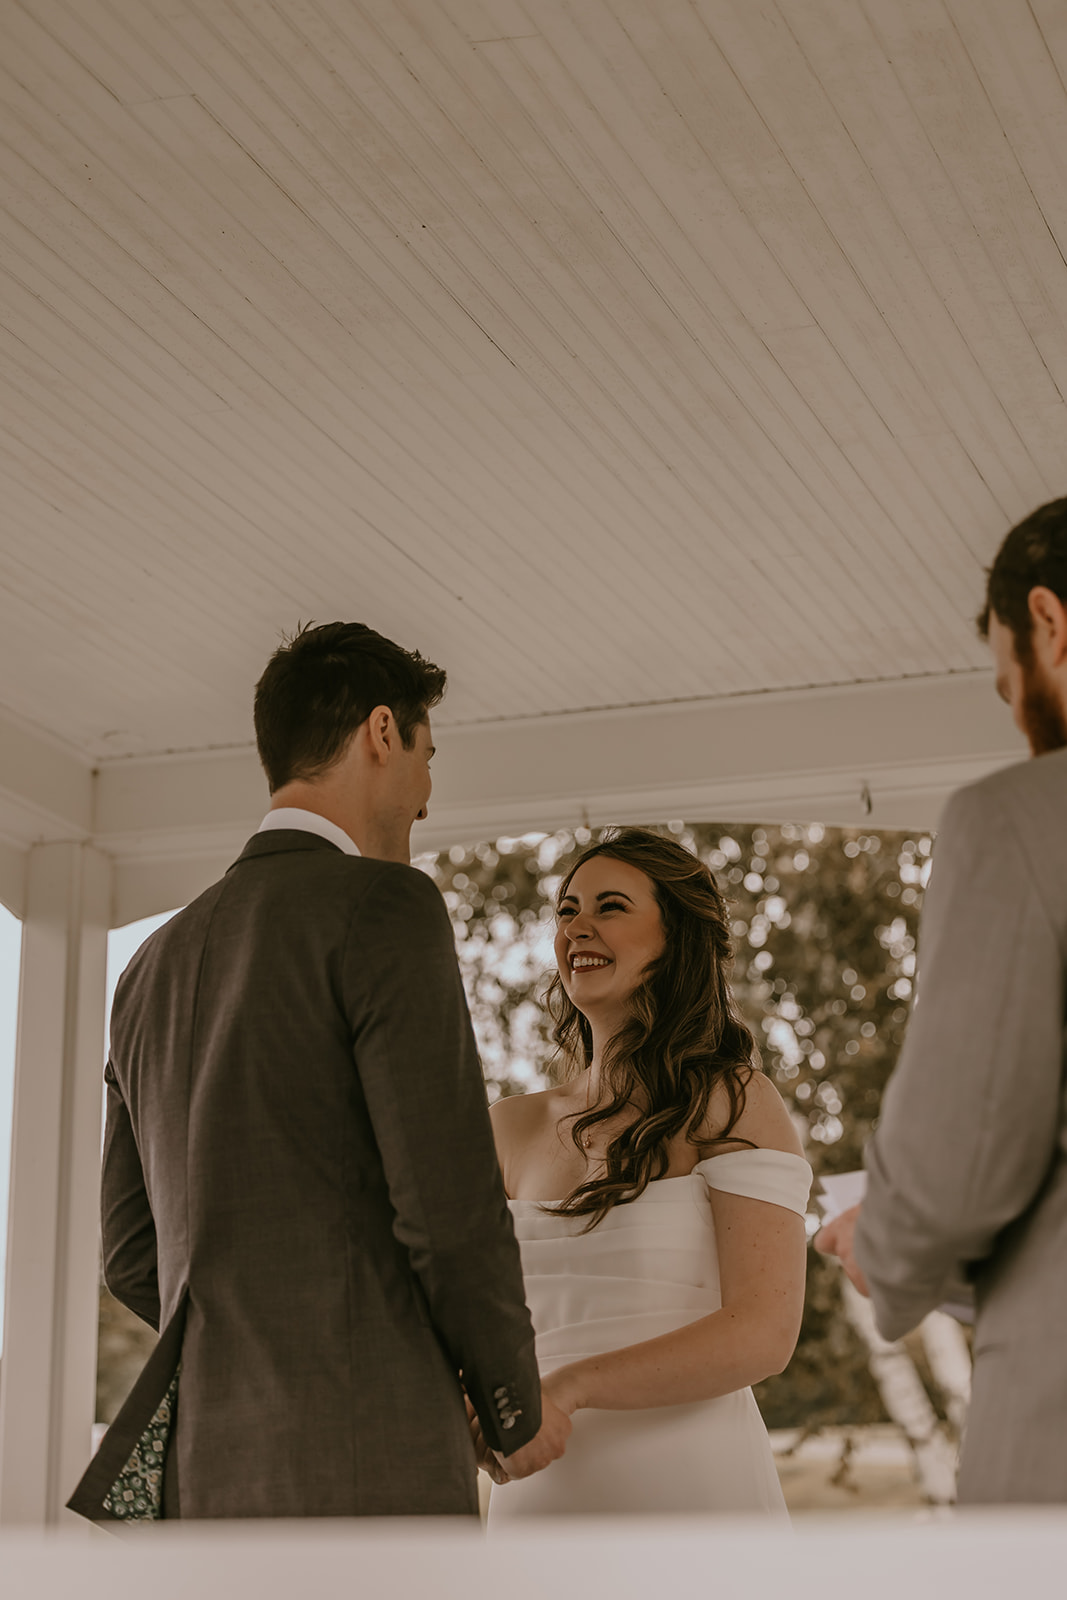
[608,905]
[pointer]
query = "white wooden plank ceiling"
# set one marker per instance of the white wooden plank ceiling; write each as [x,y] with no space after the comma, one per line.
[609,351]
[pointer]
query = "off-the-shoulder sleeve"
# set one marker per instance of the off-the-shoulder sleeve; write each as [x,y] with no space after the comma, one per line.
[773,1175]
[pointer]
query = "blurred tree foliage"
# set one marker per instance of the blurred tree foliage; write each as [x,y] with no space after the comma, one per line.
[124,1345]
[824,924]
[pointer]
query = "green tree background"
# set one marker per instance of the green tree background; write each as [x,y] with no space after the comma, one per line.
[824,924]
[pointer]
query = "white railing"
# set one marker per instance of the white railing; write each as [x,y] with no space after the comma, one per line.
[982,1555]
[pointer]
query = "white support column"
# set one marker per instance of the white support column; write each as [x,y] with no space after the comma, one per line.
[48,1368]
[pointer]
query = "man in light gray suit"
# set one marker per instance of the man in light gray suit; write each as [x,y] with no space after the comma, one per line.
[300,1187]
[968,1167]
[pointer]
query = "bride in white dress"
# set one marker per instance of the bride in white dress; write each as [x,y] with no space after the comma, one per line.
[658,1198]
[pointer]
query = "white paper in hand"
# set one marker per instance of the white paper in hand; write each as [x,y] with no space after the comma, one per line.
[840,1193]
[844,1190]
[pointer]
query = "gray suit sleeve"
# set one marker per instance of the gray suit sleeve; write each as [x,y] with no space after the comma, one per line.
[129,1233]
[969,1123]
[419,1070]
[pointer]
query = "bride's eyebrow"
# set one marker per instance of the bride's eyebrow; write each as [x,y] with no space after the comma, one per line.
[606,894]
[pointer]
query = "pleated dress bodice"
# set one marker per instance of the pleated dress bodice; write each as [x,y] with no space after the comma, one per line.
[648,1268]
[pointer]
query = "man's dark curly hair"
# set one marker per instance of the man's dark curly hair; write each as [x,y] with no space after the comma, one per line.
[1033,556]
[320,685]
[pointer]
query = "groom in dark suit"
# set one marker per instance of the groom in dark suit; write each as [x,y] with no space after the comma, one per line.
[300,1186]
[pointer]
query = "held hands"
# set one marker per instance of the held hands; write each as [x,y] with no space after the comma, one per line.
[547,1445]
[482,1453]
[836,1240]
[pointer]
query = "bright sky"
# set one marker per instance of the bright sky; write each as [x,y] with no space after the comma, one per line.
[121,945]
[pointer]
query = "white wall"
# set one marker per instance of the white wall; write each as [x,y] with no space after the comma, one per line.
[10,954]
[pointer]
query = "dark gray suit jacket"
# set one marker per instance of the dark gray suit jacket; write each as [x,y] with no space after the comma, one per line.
[968,1168]
[300,1188]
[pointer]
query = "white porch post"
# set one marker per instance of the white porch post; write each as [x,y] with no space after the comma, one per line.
[48,1372]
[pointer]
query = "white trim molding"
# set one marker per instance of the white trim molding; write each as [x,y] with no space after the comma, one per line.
[51,1304]
[886,753]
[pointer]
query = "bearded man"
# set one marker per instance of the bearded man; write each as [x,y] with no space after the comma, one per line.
[967,1173]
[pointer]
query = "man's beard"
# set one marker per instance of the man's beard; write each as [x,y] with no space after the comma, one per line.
[1043,716]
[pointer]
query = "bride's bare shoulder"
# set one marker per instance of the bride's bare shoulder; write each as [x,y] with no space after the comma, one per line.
[516,1117]
[513,1107]
[765,1121]
[519,1121]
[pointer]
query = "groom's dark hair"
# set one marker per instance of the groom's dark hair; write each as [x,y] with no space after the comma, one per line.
[1033,556]
[320,685]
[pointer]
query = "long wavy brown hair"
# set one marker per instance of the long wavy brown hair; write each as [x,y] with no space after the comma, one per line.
[682,1039]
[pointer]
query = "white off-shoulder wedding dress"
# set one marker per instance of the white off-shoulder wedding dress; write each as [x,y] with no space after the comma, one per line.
[649,1267]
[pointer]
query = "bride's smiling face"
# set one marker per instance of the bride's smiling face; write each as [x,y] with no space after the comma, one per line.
[609,930]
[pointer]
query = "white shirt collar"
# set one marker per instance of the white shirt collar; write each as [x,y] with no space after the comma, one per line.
[308,822]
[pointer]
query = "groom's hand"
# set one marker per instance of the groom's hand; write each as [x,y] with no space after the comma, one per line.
[482,1453]
[545,1447]
[836,1240]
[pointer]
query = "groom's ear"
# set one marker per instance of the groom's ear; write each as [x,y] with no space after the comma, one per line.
[382,732]
[1048,617]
